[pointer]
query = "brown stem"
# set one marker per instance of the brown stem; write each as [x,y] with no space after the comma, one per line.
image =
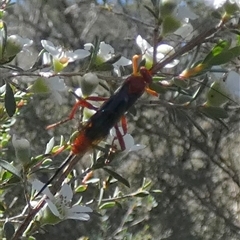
[193,43]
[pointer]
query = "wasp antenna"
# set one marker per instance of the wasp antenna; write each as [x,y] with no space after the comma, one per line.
[135,59]
[63,165]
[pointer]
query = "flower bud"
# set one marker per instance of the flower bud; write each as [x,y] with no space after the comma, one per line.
[167,7]
[170,25]
[45,216]
[22,149]
[13,46]
[88,83]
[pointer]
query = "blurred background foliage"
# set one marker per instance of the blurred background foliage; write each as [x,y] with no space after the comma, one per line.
[198,176]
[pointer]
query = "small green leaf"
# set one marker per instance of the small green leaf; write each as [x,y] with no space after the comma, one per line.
[50,145]
[156,191]
[92,181]
[40,86]
[218,49]
[46,162]
[117,176]
[224,57]
[141,194]
[100,196]
[9,167]
[9,230]
[2,208]
[31,238]
[9,101]
[81,188]
[216,95]
[213,112]
[181,83]
[107,205]
[146,183]
[158,87]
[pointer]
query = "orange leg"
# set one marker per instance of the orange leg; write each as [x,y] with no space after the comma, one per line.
[120,138]
[82,102]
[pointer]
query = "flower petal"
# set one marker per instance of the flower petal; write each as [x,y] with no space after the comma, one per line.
[105,49]
[88,46]
[123,62]
[185,31]
[137,147]
[142,44]
[56,83]
[66,193]
[23,42]
[48,46]
[79,213]
[129,141]
[76,55]
[81,209]
[38,185]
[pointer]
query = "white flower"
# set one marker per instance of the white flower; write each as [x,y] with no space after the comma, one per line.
[60,204]
[61,58]
[56,85]
[162,52]
[105,53]
[128,140]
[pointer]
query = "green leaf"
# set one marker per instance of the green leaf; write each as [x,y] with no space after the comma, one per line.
[93,180]
[81,188]
[50,145]
[9,101]
[40,86]
[156,191]
[224,57]
[31,238]
[213,112]
[2,208]
[9,230]
[218,49]
[158,87]
[141,194]
[117,176]
[9,167]
[216,95]
[146,183]
[182,83]
[100,196]
[107,205]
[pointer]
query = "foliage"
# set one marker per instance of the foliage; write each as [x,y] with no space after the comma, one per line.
[193,83]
